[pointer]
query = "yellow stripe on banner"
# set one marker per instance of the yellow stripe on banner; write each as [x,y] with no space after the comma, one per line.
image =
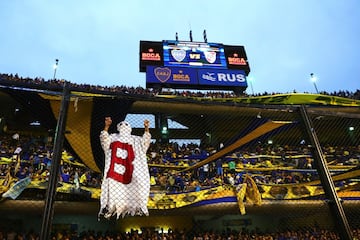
[178,200]
[261,130]
[78,124]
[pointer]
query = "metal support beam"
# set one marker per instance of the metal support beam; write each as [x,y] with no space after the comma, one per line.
[334,201]
[55,166]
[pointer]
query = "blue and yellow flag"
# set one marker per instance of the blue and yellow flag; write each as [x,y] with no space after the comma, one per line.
[16,189]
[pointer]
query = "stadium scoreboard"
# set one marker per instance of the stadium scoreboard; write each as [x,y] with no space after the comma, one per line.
[193,54]
[193,65]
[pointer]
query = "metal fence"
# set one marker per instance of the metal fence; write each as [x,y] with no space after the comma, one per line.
[77,165]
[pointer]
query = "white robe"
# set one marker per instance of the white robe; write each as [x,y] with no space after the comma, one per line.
[125,187]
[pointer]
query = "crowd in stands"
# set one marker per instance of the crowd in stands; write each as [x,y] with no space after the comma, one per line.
[30,156]
[224,171]
[57,84]
[285,164]
[278,164]
[228,170]
[308,233]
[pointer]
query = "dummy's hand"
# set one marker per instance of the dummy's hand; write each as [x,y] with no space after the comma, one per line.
[108,122]
[146,125]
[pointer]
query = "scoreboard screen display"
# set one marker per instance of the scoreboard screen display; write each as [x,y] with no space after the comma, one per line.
[194,65]
[194,54]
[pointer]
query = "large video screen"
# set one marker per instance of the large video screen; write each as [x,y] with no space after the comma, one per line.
[194,65]
[194,54]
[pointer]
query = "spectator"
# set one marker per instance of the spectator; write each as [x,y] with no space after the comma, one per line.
[219,167]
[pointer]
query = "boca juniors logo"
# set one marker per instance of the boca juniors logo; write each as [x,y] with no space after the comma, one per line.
[162,74]
[178,54]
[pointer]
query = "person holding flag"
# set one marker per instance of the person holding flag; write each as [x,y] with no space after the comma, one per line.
[125,187]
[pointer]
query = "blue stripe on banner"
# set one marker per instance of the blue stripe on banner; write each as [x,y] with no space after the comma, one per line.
[216,200]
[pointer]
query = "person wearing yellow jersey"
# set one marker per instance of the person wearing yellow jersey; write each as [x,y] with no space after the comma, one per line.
[84,178]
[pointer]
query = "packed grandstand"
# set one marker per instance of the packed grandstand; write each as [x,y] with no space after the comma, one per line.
[195,234]
[57,84]
[185,173]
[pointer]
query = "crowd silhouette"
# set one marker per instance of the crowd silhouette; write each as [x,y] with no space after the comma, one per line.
[57,85]
[305,233]
[30,156]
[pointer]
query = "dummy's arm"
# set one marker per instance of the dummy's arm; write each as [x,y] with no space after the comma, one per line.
[147,135]
[104,135]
